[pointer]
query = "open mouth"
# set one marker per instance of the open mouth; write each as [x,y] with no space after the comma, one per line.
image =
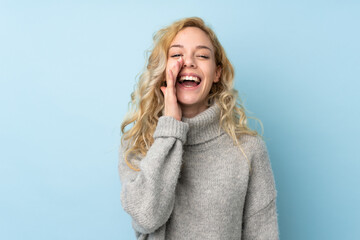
[189,81]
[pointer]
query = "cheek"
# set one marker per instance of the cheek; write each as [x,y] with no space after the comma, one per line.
[209,69]
[211,76]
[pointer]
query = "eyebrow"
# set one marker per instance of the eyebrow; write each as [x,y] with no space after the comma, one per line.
[197,47]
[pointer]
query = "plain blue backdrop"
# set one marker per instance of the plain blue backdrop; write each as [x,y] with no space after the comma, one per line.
[67,69]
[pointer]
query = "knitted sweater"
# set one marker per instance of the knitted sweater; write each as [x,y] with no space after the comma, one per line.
[195,183]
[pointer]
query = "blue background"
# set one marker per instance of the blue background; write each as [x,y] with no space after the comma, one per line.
[67,69]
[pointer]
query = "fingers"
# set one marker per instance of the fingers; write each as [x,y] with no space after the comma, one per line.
[174,71]
[169,83]
[171,75]
[171,107]
[170,79]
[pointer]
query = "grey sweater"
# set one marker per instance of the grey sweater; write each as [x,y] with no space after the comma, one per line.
[195,183]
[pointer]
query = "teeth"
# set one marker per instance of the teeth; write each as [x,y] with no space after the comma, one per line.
[189,78]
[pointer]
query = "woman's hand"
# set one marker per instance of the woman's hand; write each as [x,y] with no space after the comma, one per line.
[172,107]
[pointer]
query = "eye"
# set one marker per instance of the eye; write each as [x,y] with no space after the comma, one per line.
[176,55]
[204,56]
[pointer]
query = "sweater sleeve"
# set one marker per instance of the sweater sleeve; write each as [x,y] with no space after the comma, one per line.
[148,195]
[260,214]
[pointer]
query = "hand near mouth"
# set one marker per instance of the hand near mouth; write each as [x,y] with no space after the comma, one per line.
[172,107]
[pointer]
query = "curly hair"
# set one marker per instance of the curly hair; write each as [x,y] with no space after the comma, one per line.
[147,101]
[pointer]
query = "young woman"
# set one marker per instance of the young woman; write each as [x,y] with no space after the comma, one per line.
[189,166]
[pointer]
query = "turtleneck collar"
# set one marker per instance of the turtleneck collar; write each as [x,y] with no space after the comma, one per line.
[204,126]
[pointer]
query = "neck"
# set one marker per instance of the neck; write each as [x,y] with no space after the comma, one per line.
[190,111]
[204,126]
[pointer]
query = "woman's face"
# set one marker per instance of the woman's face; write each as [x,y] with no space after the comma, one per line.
[199,70]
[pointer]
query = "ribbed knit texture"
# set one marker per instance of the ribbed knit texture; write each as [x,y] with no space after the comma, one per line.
[195,183]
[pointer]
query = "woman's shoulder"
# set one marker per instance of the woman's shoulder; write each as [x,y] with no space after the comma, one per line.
[127,159]
[253,145]
[251,140]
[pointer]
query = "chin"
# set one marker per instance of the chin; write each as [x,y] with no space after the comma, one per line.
[190,100]
[189,103]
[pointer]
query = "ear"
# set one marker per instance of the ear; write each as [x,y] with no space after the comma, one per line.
[217,74]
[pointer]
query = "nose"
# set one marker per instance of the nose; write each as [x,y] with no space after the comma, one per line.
[189,62]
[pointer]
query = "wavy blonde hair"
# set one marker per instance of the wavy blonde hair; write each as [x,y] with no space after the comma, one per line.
[147,101]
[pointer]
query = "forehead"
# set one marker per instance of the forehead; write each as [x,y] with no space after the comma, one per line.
[192,37]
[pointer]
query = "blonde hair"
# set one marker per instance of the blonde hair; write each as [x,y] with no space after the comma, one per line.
[147,101]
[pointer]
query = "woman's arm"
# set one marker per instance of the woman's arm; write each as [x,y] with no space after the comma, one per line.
[148,195]
[260,215]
